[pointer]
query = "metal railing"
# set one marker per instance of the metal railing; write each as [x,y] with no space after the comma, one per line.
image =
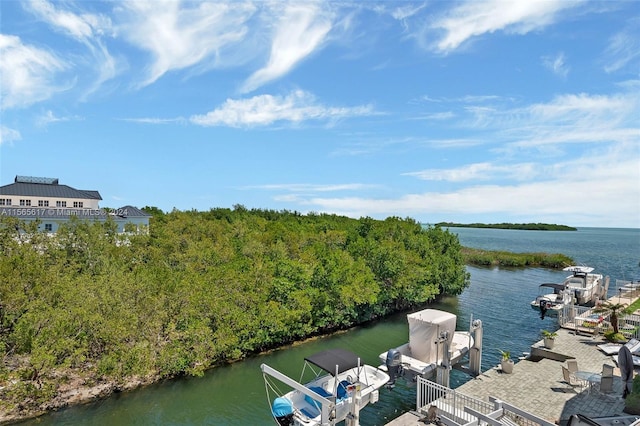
[457,409]
[586,319]
[450,404]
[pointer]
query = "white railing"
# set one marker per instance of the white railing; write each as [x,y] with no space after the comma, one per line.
[450,404]
[457,409]
[577,318]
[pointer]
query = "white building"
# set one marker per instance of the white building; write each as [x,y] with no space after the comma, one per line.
[38,198]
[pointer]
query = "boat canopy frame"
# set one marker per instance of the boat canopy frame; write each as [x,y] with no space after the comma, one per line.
[554,286]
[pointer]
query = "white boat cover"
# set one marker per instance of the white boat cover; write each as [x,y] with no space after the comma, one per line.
[424,331]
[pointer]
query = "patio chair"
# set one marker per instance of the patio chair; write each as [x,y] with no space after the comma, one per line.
[607,370]
[606,380]
[606,384]
[572,380]
[572,365]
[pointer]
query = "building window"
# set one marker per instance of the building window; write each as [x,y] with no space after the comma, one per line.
[5,201]
[25,202]
[43,203]
[61,204]
[78,204]
[48,227]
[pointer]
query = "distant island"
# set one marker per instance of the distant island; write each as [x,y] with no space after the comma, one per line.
[522,226]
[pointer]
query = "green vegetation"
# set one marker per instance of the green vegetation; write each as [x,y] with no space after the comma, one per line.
[632,307]
[202,288]
[502,258]
[522,226]
[632,401]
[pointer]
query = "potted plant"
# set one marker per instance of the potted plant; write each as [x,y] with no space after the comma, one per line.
[506,363]
[549,338]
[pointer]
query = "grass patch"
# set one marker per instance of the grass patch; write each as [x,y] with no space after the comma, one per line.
[479,257]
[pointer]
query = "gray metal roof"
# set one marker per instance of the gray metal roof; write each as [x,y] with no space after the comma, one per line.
[47,190]
[130,211]
[66,213]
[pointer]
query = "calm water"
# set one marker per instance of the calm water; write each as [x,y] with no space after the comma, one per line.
[235,395]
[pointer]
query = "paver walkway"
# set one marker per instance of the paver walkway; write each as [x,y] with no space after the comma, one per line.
[539,387]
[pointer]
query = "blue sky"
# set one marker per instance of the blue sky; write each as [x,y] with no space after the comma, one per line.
[480,111]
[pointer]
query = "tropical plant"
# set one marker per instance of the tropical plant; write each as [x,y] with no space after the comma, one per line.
[614,310]
[506,355]
[549,334]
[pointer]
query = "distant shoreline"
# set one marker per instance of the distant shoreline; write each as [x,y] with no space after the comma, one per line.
[519,226]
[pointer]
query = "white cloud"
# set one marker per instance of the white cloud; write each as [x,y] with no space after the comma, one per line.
[307,187]
[473,19]
[556,64]
[624,48]
[598,185]
[154,120]
[82,27]
[49,117]
[181,35]
[264,110]
[583,192]
[446,115]
[478,171]
[27,73]
[299,32]
[85,28]
[8,135]
[569,118]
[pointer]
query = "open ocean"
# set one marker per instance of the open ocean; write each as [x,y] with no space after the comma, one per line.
[500,297]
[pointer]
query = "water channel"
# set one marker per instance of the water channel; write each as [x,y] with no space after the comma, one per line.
[236,395]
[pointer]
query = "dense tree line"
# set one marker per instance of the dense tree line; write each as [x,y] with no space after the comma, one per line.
[201,288]
[521,226]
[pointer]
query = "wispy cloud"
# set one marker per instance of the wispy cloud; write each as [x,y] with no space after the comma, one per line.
[566,118]
[472,19]
[556,64]
[478,171]
[547,186]
[307,187]
[49,117]
[585,181]
[155,120]
[624,48]
[8,135]
[264,110]
[446,115]
[82,27]
[27,73]
[85,28]
[299,31]
[180,35]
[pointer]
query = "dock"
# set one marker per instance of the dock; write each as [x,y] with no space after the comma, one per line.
[537,385]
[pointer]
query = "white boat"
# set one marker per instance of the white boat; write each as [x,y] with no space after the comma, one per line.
[340,388]
[585,286]
[552,298]
[434,347]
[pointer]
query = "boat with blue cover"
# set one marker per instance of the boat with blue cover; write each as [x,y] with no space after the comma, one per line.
[340,387]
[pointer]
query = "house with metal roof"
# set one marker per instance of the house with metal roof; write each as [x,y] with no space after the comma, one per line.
[45,199]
